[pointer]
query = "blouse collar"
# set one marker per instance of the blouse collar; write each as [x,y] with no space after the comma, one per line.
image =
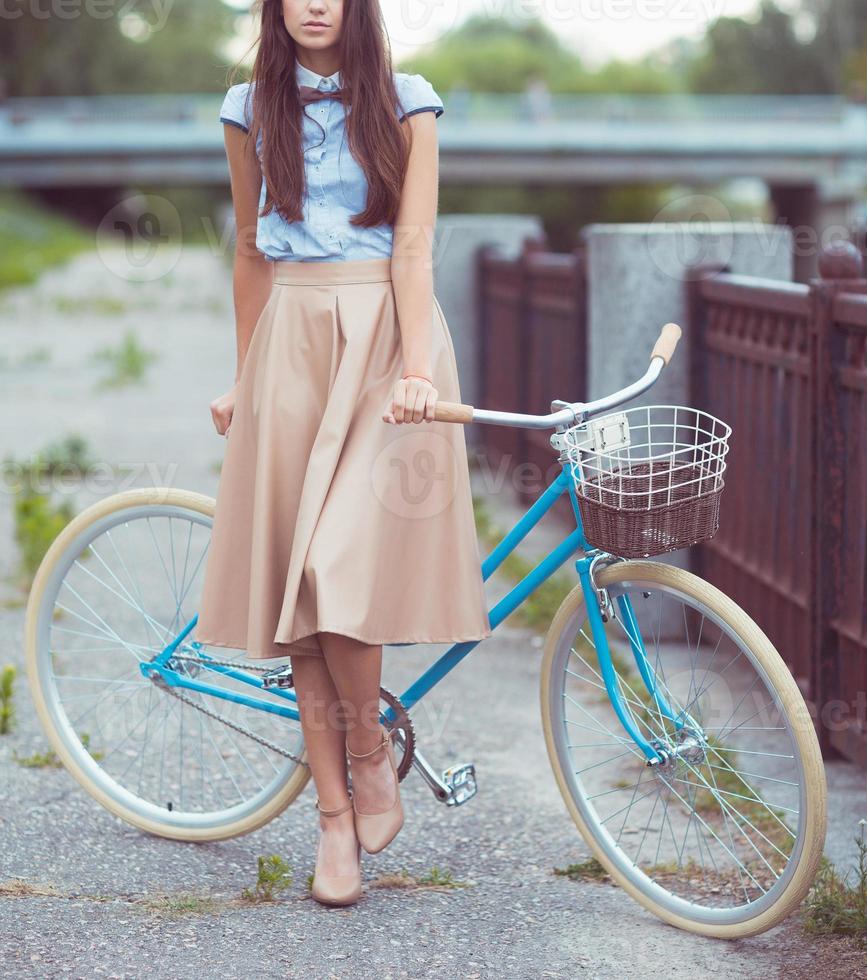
[305,76]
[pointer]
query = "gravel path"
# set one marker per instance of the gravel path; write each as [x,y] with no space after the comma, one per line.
[92,903]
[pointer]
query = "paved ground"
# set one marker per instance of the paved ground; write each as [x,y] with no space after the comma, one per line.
[91,900]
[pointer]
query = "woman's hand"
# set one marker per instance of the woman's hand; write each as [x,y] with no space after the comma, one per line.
[223,408]
[413,400]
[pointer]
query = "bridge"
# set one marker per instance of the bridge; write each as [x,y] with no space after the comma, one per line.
[811,151]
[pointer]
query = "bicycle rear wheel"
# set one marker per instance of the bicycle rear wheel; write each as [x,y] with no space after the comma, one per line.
[726,836]
[114,589]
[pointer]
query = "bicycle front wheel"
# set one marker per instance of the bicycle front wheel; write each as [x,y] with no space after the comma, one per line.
[724,838]
[115,588]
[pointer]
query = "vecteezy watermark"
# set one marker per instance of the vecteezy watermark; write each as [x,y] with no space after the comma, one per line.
[149,16]
[99,480]
[697,229]
[140,239]
[415,475]
[416,22]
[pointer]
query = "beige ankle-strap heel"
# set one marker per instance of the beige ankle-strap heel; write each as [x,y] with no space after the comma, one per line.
[337,889]
[377,829]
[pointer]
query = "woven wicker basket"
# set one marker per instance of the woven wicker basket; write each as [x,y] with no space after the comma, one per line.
[649,480]
[642,532]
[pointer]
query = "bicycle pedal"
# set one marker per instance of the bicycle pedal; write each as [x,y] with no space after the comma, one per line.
[461,781]
[280,677]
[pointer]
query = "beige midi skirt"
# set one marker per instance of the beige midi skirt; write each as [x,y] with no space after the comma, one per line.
[327,517]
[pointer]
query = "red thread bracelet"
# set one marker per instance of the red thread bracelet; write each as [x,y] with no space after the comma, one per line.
[421,376]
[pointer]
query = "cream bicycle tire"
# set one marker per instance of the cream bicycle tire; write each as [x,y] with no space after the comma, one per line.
[63,739]
[572,613]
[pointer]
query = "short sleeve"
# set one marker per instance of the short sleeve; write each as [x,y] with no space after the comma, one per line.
[237,109]
[416,94]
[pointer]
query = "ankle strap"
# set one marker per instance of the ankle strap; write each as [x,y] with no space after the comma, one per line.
[336,810]
[356,755]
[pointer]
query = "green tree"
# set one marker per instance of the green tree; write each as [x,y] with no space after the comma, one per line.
[764,55]
[117,46]
[838,30]
[502,55]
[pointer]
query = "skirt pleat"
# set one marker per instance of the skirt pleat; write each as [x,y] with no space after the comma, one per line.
[327,517]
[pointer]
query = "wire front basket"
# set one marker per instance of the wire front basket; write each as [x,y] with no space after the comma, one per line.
[648,479]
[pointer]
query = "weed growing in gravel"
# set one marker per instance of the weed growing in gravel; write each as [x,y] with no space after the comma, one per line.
[66,457]
[19,888]
[39,760]
[182,903]
[101,305]
[274,876]
[7,708]
[127,362]
[38,520]
[49,759]
[438,879]
[590,869]
[833,905]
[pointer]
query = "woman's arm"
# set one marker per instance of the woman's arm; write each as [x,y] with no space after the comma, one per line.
[252,276]
[412,268]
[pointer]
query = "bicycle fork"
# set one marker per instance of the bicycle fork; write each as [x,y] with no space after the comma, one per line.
[601,610]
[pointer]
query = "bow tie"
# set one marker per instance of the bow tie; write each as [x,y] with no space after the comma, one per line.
[310,94]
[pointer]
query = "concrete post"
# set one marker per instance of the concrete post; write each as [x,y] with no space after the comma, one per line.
[636,278]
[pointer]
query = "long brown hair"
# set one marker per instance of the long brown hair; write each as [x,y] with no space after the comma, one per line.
[379,143]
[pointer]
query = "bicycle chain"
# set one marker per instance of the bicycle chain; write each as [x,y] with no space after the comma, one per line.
[405,722]
[224,720]
[223,663]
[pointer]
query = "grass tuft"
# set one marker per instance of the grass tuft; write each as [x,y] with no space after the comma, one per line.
[834,906]
[181,904]
[589,870]
[7,707]
[127,362]
[274,876]
[437,879]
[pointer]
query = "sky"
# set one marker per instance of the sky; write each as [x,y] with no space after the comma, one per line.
[595,29]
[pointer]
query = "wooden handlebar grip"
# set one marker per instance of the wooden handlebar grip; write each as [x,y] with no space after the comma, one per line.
[666,342]
[453,412]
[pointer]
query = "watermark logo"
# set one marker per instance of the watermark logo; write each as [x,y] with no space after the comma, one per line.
[415,474]
[140,239]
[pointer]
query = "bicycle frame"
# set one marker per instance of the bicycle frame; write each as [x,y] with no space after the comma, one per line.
[163,665]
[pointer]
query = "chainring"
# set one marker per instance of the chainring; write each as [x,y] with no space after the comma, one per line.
[402,723]
[403,757]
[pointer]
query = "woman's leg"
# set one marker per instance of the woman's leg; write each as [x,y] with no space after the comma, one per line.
[323,724]
[356,669]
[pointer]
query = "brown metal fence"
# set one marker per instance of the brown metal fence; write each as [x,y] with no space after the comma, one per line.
[786,366]
[532,318]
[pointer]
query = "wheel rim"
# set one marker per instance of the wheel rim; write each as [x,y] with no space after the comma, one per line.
[119,592]
[625,805]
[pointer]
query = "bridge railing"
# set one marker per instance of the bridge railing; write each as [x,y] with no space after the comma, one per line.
[482,107]
[532,322]
[786,366]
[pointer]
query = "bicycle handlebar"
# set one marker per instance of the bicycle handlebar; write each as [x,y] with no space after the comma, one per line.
[572,412]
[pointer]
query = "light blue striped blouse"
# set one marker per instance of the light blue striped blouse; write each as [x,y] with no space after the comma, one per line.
[336,184]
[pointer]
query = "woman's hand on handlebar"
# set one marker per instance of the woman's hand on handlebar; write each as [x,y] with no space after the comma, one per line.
[413,400]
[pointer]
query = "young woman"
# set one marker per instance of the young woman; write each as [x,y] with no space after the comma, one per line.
[339,527]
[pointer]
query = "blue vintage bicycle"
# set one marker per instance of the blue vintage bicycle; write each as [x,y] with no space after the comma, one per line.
[681,745]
